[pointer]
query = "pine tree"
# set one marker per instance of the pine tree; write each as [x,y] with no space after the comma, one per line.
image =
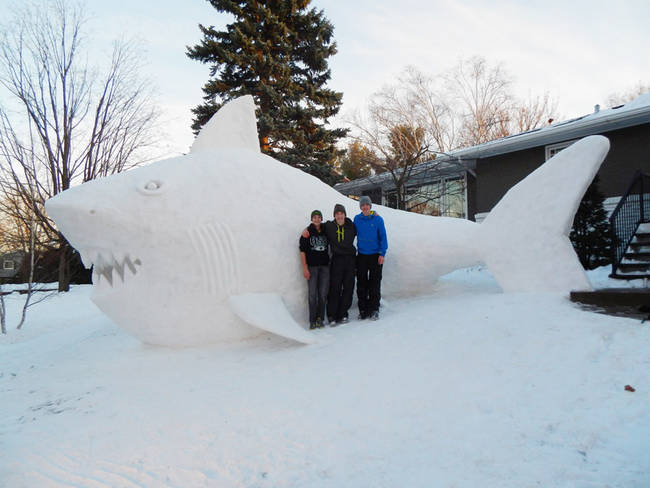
[276,51]
[591,235]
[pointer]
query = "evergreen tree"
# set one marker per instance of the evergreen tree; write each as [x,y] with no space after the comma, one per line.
[591,235]
[277,51]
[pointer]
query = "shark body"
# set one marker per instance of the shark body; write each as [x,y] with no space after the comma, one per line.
[204,247]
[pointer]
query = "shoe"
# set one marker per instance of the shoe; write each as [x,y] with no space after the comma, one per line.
[331,322]
[344,320]
[313,325]
[374,315]
[319,323]
[363,315]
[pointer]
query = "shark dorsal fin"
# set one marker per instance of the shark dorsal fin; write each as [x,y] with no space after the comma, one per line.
[233,126]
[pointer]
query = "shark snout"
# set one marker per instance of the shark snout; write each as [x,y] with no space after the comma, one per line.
[92,229]
[65,207]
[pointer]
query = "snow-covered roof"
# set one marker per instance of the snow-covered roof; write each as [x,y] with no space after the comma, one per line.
[635,112]
[440,167]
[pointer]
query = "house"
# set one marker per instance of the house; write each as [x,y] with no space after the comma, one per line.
[10,264]
[469,182]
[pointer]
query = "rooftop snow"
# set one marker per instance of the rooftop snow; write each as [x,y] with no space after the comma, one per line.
[633,113]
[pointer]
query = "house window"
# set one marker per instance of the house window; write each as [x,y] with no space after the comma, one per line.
[553,149]
[8,264]
[444,197]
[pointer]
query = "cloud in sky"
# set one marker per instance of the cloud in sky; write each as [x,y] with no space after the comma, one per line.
[579,51]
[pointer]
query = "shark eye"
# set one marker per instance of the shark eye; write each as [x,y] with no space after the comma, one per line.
[151,187]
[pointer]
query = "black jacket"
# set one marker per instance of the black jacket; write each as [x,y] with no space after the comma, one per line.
[341,239]
[315,246]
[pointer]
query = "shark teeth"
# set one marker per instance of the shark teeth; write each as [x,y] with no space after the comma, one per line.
[112,266]
[86,259]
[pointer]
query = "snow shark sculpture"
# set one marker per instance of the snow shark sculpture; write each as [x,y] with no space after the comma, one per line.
[204,247]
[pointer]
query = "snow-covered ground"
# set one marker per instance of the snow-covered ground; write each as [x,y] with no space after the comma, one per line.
[468,387]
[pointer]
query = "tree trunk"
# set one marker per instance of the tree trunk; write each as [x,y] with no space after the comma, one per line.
[64,267]
[401,196]
[30,281]
[3,327]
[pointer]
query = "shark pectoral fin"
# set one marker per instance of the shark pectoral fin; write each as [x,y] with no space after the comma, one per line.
[268,312]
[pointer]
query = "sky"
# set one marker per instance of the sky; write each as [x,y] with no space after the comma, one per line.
[579,51]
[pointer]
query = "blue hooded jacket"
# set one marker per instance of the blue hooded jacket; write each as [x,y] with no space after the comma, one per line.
[371,234]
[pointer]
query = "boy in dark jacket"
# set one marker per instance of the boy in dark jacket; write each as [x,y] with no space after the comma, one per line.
[315,269]
[341,233]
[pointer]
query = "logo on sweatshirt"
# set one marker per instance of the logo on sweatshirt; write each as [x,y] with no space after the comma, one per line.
[318,243]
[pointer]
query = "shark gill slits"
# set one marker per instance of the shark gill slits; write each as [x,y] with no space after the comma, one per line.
[217,261]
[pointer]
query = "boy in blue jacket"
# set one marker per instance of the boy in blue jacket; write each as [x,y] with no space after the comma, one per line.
[371,246]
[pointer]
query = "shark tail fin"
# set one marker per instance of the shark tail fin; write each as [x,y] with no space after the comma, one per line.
[524,239]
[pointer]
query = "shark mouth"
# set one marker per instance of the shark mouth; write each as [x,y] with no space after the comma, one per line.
[114,268]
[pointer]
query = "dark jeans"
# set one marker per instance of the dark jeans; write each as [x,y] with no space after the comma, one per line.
[341,290]
[368,283]
[319,277]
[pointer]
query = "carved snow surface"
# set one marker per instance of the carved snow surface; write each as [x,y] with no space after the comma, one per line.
[105,264]
[525,236]
[204,247]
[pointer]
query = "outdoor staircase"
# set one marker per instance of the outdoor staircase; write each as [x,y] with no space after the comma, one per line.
[630,228]
[635,261]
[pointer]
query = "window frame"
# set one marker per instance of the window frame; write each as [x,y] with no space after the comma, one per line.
[556,148]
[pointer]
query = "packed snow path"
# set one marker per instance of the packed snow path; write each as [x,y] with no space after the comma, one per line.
[466,388]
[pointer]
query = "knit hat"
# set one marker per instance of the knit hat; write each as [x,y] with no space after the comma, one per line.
[339,208]
[316,212]
[365,200]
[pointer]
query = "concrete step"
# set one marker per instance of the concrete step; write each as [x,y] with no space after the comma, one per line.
[641,237]
[644,227]
[638,247]
[629,276]
[633,297]
[637,256]
[636,262]
[626,268]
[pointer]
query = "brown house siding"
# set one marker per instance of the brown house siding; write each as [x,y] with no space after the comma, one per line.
[496,175]
[629,152]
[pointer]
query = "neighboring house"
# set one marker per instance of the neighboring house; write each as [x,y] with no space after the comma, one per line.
[10,264]
[485,172]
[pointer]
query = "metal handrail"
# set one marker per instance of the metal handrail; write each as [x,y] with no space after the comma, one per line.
[638,174]
[628,215]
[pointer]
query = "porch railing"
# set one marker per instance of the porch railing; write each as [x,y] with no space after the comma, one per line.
[633,209]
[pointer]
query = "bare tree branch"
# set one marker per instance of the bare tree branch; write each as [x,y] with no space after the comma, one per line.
[65,124]
[615,99]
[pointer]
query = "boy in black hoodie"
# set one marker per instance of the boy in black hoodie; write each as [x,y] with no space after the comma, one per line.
[341,233]
[315,269]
